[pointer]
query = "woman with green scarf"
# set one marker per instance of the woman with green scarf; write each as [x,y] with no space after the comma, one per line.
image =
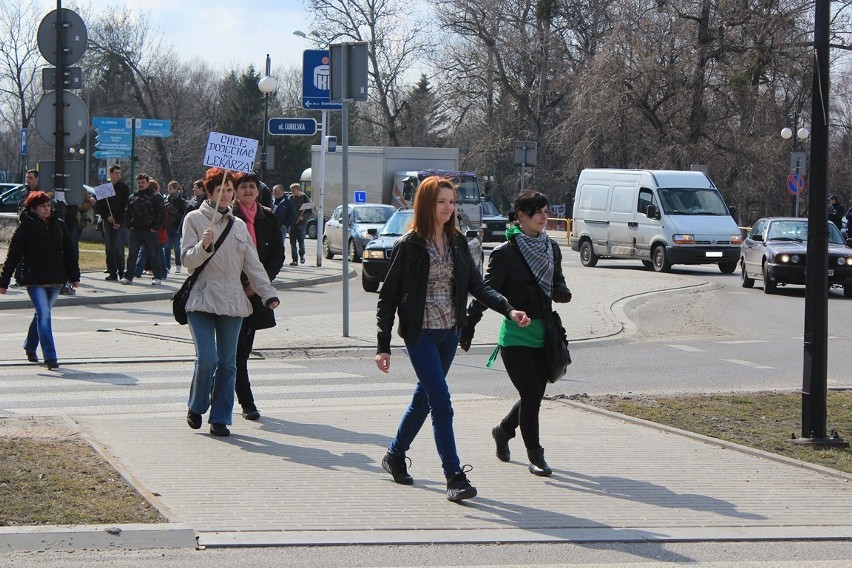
[527,270]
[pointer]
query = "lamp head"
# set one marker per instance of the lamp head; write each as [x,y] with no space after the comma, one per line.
[786,133]
[267,84]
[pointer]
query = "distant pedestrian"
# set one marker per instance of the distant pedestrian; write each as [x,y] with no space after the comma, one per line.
[527,269]
[111,210]
[218,301]
[266,238]
[429,279]
[42,247]
[144,216]
[175,210]
[285,211]
[298,228]
[198,196]
[835,212]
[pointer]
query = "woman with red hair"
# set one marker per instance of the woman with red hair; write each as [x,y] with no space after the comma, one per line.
[43,248]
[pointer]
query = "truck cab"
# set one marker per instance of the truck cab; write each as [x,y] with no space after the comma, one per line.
[467,191]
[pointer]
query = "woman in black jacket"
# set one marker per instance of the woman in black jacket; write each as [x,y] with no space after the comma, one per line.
[527,269]
[266,237]
[427,284]
[43,248]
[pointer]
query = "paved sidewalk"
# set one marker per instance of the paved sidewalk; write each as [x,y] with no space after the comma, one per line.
[312,474]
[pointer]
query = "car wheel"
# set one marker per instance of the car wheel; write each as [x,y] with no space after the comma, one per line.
[728,267]
[587,254]
[648,264]
[311,230]
[769,286]
[746,281]
[661,262]
[326,249]
[847,290]
[368,284]
[353,252]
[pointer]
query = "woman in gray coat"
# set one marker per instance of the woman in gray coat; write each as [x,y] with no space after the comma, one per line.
[218,303]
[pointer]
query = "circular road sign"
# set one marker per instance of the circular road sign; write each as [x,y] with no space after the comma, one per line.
[76,36]
[75,118]
[795,184]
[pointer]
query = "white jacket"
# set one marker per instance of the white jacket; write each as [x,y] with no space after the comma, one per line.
[218,289]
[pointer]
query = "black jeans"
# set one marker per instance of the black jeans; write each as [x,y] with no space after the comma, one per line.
[527,370]
[245,342]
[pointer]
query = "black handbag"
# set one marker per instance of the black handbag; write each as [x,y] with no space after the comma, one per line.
[181,297]
[261,316]
[556,351]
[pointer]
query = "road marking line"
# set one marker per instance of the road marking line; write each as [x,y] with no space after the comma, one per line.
[742,342]
[688,348]
[747,364]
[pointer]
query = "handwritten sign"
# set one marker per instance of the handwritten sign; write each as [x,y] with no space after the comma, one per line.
[230,152]
[103,191]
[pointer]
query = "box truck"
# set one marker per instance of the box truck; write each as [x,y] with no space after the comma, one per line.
[660,217]
[389,175]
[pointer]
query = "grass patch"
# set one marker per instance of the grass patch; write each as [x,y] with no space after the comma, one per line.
[64,482]
[91,258]
[764,420]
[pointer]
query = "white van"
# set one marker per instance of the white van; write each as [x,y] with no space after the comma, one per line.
[661,217]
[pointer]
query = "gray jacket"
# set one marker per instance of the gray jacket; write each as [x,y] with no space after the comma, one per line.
[218,289]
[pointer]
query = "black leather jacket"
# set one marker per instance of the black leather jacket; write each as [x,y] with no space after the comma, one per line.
[404,290]
[509,274]
[44,251]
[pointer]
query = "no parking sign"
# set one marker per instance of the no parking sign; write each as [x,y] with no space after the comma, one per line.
[795,184]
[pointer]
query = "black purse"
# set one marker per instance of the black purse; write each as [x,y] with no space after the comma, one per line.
[261,317]
[181,297]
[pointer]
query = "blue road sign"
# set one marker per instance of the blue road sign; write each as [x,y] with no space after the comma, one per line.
[100,122]
[153,127]
[111,154]
[795,184]
[23,141]
[316,86]
[293,126]
[360,196]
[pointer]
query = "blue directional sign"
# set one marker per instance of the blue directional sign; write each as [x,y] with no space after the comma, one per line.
[316,76]
[113,136]
[103,154]
[154,128]
[293,126]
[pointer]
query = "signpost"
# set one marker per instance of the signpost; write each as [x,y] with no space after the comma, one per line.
[292,126]
[316,81]
[153,127]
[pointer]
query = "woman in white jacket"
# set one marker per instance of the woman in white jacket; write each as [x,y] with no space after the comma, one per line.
[217,303]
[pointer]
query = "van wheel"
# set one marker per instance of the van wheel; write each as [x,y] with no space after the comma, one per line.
[326,249]
[661,262]
[368,284]
[769,287]
[648,264]
[353,252]
[746,281]
[728,267]
[587,254]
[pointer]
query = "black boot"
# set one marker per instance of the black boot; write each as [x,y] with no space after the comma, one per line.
[537,464]
[395,465]
[459,487]
[501,437]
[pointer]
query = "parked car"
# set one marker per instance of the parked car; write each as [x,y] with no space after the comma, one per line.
[10,194]
[493,222]
[362,218]
[377,255]
[775,252]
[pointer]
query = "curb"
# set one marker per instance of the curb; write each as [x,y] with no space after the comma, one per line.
[78,537]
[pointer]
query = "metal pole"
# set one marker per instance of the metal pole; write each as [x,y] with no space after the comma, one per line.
[59,183]
[265,125]
[344,61]
[321,215]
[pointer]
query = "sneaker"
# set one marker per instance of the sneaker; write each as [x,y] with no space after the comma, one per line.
[219,430]
[250,412]
[156,282]
[112,277]
[294,263]
[395,465]
[177,269]
[458,486]
[302,260]
[124,280]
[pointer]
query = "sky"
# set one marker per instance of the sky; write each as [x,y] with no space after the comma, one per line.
[249,29]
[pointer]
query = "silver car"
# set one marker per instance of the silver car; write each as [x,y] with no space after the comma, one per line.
[362,218]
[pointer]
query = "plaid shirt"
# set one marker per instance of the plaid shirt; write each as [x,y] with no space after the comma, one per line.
[439,312]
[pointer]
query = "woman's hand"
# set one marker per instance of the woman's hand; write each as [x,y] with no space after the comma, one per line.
[250,292]
[273,304]
[76,284]
[383,362]
[207,238]
[519,318]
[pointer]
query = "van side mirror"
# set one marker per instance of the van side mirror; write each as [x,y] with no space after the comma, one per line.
[652,212]
[373,233]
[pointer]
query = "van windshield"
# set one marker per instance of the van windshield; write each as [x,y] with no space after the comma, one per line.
[692,201]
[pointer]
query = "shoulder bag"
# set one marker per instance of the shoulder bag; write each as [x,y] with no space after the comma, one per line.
[181,297]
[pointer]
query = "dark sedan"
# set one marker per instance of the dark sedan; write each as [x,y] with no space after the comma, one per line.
[377,254]
[775,251]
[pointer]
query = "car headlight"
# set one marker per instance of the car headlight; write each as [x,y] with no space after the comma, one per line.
[736,239]
[843,260]
[683,239]
[374,254]
[782,258]
[795,258]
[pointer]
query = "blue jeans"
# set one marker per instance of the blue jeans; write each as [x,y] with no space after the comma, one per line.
[172,245]
[41,328]
[139,237]
[297,236]
[431,358]
[114,241]
[215,370]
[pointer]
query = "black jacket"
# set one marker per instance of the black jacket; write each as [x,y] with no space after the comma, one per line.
[114,205]
[404,290]
[44,251]
[175,210]
[509,274]
[145,210]
[270,245]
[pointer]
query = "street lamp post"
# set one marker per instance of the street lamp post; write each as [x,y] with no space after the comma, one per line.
[266,85]
[797,158]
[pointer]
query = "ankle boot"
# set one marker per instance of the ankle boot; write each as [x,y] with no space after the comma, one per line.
[501,437]
[537,464]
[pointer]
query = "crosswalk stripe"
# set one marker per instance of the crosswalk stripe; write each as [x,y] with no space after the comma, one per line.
[688,348]
[751,364]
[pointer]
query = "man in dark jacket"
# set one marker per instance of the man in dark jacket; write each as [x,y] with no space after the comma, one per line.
[835,212]
[111,210]
[144,215]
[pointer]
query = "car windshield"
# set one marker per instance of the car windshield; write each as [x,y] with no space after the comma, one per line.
[692,201]
[377,215]
[796,230]
[488,208]
[398,224]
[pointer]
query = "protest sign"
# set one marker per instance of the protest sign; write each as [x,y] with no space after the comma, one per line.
[104,190]
[228,152]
